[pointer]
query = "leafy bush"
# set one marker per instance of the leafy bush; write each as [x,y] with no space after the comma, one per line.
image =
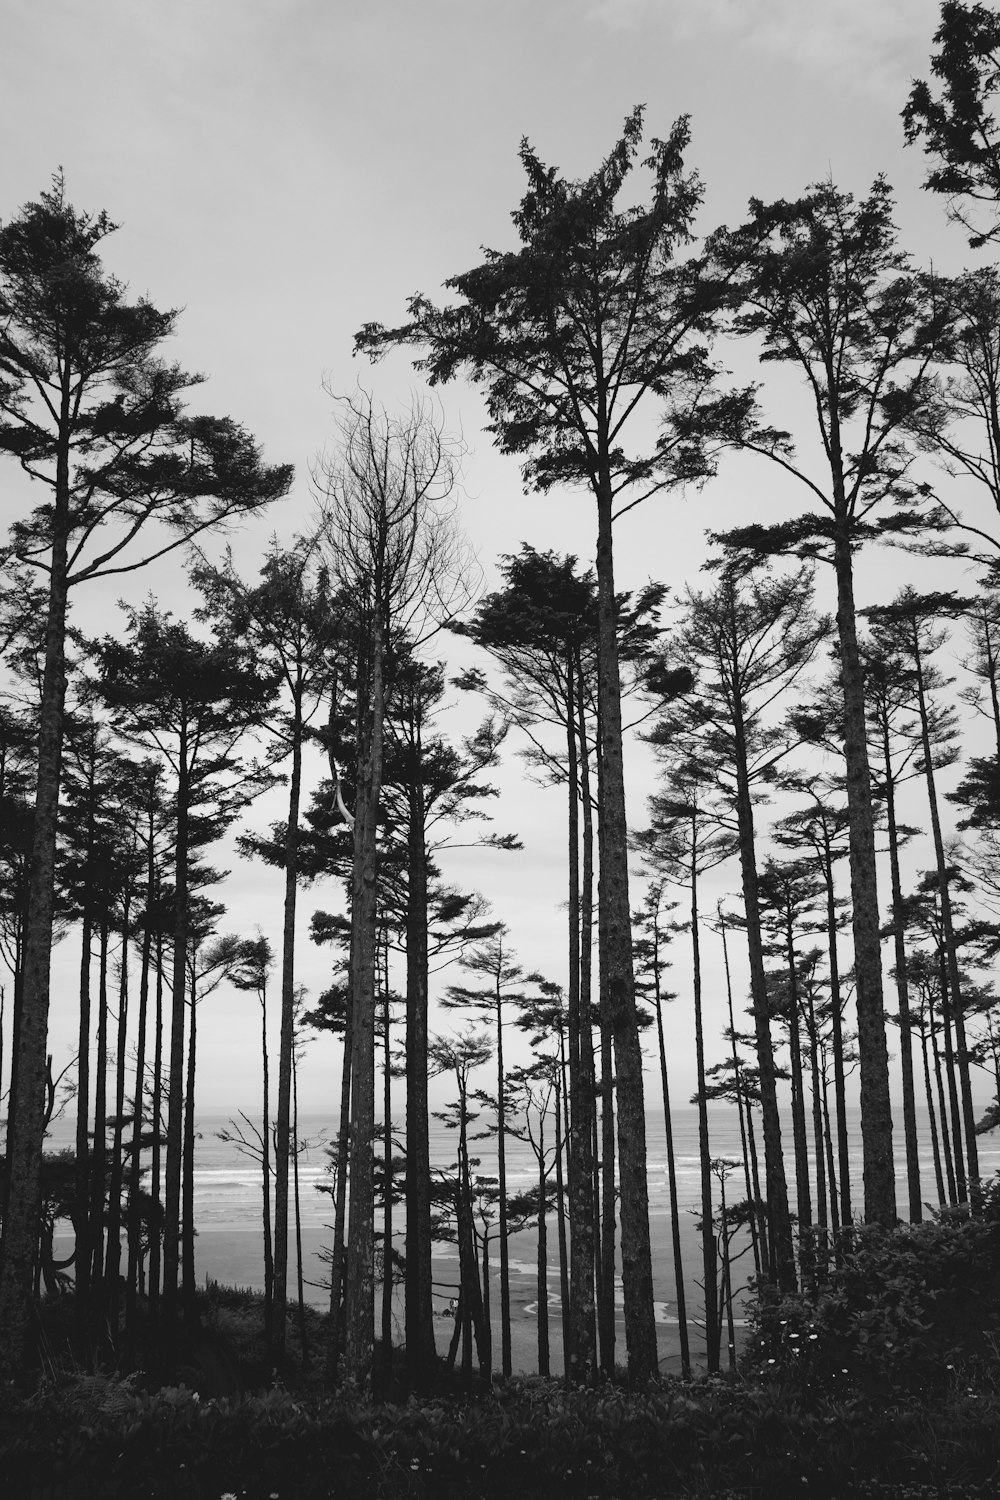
[909,1309]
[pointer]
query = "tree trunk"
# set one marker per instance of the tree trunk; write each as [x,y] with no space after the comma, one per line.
[286,1039]
[112,1267]
[98,1155]
[956,1006]
[781,1252]
[138,1112]
[542,1267]
[386,1189]
[505,1353]
[876,1109]
[265,1167]
[156,1229]
[675,1221]
[337,1259]
[637,1270]
[82,1170]
[580,1346]
[932,1117]
[26,1117]
[189,1285]
[360,1308]
[421,1353]
[175,1086]
[708,1257]
[837,1023]
[902,989]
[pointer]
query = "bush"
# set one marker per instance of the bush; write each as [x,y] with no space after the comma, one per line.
[909,1309]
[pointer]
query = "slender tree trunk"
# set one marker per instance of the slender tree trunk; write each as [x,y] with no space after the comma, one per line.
[286,1038]
[803,1195]
[951,1079]
[637,1268]
[932,1117]
[175,1089]
[956,1005]
[675,1219]
[505,1352]
[98,1156]
[360,1306]
[781,1252]
[338,1257]
[758,1216]
[876,1109]
[138,1113]
[421,1353]
[472,1292]
[942,1112]
[265,1168]
[914,1193]
[112,1268]
[583,1141]
[837,1024]
[580,1347]
[189,1285]
[26,1113]
[543,1259]
[708,1256]
[299,1272]
[83,1164]
[564,1304]
[387,1187]
[156,1228]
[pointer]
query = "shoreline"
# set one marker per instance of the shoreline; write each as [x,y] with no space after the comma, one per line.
[234,1257]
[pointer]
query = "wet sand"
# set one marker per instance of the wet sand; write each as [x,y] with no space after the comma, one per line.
[235,1258]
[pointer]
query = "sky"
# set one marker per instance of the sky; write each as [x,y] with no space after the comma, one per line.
[285,170]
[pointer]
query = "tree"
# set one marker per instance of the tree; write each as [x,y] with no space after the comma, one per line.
[394,550]
[957,127]
[91,413]
[291,620]
[568,334]
[501,976]
[906,625]
[746,644]
[823,287]
[192,701]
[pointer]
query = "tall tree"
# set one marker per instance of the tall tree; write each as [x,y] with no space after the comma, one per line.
[747,644]
[91,413]
[821,285]
[290,618]
[393,548]
[567,335]
[192,701]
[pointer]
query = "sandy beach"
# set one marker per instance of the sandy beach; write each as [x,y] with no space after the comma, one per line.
[234,1257]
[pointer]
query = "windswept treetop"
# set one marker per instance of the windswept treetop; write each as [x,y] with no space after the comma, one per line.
[91,412]
[958,126]
[822,284]
[571,330]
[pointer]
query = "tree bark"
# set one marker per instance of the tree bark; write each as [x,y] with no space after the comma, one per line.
[876,1109]
[26,1121]
[637,1269]
[287,1038]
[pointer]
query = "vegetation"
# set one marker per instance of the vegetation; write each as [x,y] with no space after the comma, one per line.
[859,1354]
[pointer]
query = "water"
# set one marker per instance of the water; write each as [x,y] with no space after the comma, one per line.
[228,1191]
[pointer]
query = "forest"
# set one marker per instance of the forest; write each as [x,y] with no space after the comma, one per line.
[826,755]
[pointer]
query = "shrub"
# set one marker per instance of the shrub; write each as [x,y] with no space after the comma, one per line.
[907,1309]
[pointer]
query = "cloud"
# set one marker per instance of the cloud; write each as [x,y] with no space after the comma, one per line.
[869,42]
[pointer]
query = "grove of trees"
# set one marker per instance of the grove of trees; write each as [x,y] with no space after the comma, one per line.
[828,759]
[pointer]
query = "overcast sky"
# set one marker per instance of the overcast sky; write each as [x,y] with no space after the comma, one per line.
[286,170]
